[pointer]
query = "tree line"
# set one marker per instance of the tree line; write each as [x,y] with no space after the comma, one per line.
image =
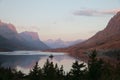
[97,69]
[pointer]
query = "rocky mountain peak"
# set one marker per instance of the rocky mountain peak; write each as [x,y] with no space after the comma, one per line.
[11,26]
[113,25]
[30,35]
[7,27]
[7,30]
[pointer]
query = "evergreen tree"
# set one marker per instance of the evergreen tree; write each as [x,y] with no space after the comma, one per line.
[18,75]
[107,72]
[49,70]
[77,71]
[35,73]
[61,73]
[53,72]
[95,66]
[117,69]
[68,76]
[6,73]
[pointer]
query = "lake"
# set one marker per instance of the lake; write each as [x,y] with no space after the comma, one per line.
[25,60]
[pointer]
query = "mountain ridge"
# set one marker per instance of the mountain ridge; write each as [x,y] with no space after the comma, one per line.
[30,35]
[59,43]
[14,41]
[33,38]
[107,39]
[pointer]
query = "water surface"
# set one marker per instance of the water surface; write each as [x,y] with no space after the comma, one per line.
[25,60]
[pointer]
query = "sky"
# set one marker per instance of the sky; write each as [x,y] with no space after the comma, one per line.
[53,19]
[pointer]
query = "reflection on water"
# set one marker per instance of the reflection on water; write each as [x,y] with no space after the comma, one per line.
[24,60]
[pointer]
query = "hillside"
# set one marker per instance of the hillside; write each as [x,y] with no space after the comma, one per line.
[107,39]
[11,40]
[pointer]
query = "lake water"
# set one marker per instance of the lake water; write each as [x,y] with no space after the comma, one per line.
[25,60]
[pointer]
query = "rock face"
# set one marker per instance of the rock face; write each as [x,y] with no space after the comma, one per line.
[113,25]
[8,30]
[33,39]
[10,39]
[30,35]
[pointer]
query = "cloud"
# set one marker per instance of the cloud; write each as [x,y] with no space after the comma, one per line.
[90,12]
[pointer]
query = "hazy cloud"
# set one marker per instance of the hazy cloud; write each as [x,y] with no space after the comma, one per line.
[90,12]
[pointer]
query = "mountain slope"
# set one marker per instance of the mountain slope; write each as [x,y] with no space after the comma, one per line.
[10,39]
[13,40]
[33,39]
[107,39]
[109,35]
[4,44]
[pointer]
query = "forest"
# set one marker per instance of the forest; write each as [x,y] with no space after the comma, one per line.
[97,69]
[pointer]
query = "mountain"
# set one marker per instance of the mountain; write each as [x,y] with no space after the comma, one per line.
[30,35]
[107,39]
[8,32]
[60,43]
[10,39]
[33,39]
[4,44]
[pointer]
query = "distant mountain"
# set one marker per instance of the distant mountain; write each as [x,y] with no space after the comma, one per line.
[60,43]
[33,36]
[33,39]
[4,44]
[10,39]
[107,39]
[8,32]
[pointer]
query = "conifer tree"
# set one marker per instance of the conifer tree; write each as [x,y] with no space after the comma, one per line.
[77,71]
[95,66]
[35,73]
[61,73]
